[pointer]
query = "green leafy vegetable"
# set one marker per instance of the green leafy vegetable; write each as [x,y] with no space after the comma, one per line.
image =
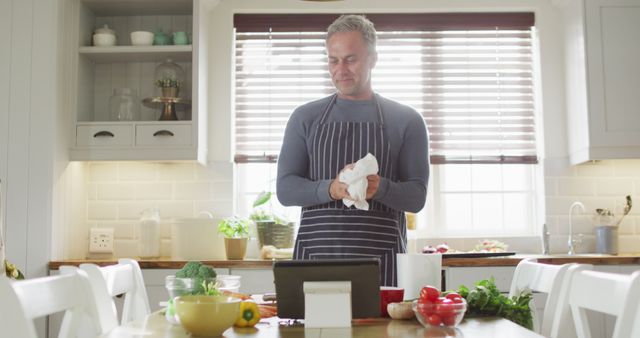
[234,227]
[198,271]
[262,198]
[486,300]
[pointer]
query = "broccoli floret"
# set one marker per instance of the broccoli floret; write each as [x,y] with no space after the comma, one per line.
[206,272]
[197,271]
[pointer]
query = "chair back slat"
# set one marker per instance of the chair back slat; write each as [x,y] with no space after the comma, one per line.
[25,300]
[609,293]
[124,278]
[539,277]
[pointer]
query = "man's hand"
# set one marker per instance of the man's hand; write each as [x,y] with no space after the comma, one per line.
[337,189]
[373,181]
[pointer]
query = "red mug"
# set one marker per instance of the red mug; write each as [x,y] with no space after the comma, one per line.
[389,294]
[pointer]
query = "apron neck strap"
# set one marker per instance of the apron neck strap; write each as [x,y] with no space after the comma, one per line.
[333,99]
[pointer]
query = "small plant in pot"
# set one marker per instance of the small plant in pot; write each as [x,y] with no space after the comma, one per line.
[236,233]
[273,229]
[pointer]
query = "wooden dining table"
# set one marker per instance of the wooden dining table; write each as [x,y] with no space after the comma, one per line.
[155,325]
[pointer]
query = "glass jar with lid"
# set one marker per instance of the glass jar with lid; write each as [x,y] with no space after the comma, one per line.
[124,105]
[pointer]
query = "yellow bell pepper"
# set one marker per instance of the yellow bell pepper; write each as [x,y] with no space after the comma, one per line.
[249,314]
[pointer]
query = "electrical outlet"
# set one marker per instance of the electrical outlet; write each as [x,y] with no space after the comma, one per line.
[101,240]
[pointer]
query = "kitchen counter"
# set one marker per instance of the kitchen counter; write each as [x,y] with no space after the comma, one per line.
[595,259]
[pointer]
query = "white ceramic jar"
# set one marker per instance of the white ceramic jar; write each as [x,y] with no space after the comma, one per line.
[104,36]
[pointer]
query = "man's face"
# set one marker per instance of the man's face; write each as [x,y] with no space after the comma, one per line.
[350,64]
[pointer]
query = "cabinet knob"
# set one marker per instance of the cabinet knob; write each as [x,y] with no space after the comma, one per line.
[103,133]
[163,133]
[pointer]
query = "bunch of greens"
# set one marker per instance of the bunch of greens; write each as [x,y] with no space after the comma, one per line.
[234,227]
[202,274]
[486,300]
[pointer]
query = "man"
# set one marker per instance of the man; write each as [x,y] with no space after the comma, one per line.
[324,137]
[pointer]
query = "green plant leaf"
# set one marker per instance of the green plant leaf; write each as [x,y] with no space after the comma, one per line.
[262,198]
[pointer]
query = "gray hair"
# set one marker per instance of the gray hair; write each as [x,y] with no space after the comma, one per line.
[359,23]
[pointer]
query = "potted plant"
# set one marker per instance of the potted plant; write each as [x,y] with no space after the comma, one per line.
[273,229]
[236,233]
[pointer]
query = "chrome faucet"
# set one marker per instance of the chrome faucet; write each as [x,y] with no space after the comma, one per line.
[571,241]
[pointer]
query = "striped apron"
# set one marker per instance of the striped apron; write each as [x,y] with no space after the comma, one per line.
[332,230]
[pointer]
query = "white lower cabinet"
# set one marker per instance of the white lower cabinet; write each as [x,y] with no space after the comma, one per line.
[255,280]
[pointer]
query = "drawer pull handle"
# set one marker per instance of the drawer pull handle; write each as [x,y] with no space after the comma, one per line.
[103,133]
[163,133]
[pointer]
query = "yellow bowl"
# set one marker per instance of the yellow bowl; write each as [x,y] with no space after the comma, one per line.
[207,316]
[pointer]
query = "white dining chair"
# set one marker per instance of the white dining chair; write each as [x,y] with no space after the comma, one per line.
[603,292]
[544,278]
[124,278]
[25,300]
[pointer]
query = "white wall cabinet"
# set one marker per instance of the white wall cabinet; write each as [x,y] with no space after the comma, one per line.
[96,71]
[602,78]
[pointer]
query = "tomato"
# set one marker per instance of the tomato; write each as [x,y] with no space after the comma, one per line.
[430,293]
[433,320]
[444,307]
[456,298]
[449,320]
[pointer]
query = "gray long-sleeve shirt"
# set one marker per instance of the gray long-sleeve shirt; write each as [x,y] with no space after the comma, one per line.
[404,128]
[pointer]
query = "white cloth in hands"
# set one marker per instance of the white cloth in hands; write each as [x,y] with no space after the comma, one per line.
[356,179]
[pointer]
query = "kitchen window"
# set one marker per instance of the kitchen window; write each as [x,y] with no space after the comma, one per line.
[471,75]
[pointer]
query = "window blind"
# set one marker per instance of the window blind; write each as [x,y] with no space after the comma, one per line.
[468,74]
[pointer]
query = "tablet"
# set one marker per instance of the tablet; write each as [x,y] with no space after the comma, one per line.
[363,273]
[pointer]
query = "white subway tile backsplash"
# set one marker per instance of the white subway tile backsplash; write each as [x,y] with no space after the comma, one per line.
[575,187]
[177,171]
[125,248]
[137,171]
[627,168]
[102,210]
[215,171]
[153,191]
[192,190]
[611,181]
[618,187]
[581,224]
[130,210]
[629,243]
[176,209]
[121,230]
[92,191]
[627,227]
[103,171]
[114,191]
[217,208]
[595,169]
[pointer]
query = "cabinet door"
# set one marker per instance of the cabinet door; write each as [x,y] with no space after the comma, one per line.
[468,276]
[255,281]
[613,68]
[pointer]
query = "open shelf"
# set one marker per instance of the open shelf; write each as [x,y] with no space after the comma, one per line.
[137,53]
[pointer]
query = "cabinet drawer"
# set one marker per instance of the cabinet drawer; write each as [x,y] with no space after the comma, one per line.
[165,135]
[104,135]
[468,276]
